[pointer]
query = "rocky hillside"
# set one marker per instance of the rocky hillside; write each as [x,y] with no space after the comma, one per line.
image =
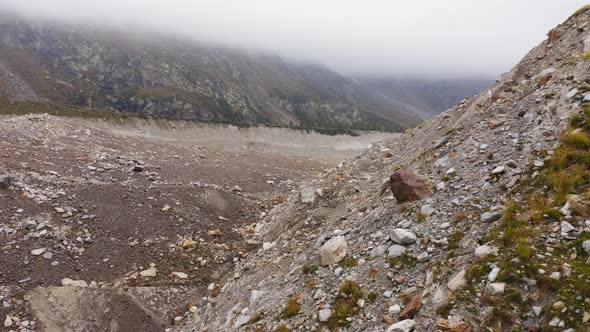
[161,76]
[477,220]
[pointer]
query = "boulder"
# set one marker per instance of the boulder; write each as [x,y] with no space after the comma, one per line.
[333,251]
[401,236]
[406,186]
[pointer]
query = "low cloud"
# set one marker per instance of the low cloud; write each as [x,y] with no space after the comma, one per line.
[428,38]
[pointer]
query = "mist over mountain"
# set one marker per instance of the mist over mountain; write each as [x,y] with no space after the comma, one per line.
[428,97]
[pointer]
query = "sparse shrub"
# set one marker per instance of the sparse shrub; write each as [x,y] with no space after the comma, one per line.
[283,328]
[420,217]
[293,307]
[348,262]
[454,239]
[576,138]
[345,306]
[309,269]
[405,260]
[459,216]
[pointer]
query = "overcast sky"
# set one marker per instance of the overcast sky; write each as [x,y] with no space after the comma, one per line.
[434,38]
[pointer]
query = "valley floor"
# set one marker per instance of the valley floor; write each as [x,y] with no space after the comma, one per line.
[144,217]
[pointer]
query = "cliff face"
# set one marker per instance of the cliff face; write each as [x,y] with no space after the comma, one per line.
[501,243]
[164,77]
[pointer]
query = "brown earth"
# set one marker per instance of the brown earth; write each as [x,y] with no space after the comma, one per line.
[106,206]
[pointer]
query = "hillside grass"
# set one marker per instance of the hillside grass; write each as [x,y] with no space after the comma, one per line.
[534,210]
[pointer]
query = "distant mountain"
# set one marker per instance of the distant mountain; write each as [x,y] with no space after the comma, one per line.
[167,77]
[426,98]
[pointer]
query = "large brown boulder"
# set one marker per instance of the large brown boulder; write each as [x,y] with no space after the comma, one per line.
[407,186]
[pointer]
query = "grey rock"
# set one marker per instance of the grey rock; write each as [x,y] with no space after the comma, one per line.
[566,227]
[427,210]
[489,217]
[586,246]
[396,250]
[378,251]
[401,236]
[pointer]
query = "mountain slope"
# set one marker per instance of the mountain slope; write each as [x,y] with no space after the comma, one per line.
[428,97]
[489,249]
[163,77]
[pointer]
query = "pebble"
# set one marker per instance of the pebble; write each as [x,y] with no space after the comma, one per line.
[37,252]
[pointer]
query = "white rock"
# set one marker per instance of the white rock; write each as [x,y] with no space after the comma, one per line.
[394,309]
[483,250]
[566,227]
[307,195]
[554,322]
[537,311]
[268,245]
[180,275]
[458,281]
[586,246]
[338,271]
[387,294]
[572,93]
[151,272]
[333,251]
[401,236]
[493,274]
[324,315]
[407,325]
[37,252]
[73,283]
[496,288]
[396,250]
[440,186]
[499,170]
[423,257]
[555,275]
[8,321]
